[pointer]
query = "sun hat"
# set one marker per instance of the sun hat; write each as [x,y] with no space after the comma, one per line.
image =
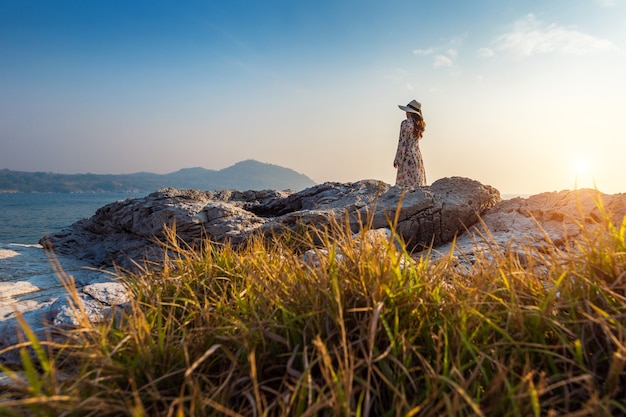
[412,107]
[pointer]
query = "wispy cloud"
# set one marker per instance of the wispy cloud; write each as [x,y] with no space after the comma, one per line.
[423,52]
[442,61]
[530,36]
[444,56]
[452,53]
[441,58]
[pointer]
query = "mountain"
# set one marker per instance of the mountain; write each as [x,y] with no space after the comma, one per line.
[245,175]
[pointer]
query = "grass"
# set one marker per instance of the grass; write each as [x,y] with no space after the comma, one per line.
[259,331]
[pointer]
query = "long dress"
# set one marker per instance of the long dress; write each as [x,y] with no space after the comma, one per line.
[408,160]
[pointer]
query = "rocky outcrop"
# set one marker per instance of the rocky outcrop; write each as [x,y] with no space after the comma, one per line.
[31,284]
[540,221]
[127,232]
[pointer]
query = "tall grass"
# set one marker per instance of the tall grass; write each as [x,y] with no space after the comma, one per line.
[259,330]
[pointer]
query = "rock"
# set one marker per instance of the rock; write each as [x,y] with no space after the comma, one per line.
[97,301]
[128,232]
[425,215]
[30,285]
[540,221]
[109,293]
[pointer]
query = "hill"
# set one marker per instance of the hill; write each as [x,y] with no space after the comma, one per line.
[245,175]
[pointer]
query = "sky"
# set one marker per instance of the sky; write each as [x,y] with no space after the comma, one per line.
[527,96]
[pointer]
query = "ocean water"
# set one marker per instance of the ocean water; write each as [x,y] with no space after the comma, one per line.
[25,218]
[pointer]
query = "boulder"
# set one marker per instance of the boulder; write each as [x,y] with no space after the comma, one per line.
[128,232]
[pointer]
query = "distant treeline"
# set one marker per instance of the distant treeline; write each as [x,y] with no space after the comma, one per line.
[246,175]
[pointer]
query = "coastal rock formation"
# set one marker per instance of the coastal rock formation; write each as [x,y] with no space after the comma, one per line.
[542,220]
[31,284]
[128,232]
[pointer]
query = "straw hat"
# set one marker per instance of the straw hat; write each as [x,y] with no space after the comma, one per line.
[412,107]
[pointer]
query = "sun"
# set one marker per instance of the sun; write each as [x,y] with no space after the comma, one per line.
[583,176]
[580,166]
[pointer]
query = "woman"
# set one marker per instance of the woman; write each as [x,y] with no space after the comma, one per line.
[408,160]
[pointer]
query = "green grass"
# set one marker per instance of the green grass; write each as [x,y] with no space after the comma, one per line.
[256,331]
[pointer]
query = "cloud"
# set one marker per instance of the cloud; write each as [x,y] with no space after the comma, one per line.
[443,58]
[424,52]
[531,37]
[442,61]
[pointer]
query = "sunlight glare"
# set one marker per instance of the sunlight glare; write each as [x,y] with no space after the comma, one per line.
[581,167]
[582,171]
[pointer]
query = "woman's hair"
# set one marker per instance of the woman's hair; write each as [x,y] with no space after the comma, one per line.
[418,124]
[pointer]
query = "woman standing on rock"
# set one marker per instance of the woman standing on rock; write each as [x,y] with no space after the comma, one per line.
[408,160]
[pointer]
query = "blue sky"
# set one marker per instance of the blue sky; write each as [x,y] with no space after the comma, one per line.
[526,96]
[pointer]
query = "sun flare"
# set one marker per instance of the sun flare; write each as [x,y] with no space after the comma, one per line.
[582,170]
[580,166]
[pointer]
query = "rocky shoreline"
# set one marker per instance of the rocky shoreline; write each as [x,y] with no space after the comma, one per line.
[31,283]
[126,233]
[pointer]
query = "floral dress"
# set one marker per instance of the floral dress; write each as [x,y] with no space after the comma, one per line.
[408,160]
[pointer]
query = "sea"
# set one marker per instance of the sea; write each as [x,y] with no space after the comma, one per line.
[26,218]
